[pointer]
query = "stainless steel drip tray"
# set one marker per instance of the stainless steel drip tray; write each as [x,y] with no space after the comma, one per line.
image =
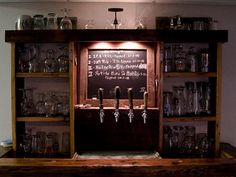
[117,155]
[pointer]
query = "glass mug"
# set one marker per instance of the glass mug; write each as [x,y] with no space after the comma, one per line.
[38,22]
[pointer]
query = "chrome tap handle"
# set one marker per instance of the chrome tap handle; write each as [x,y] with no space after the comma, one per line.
[116,115]
[117,101]
[131,115]
[100,99]
[145,100]
[101,115]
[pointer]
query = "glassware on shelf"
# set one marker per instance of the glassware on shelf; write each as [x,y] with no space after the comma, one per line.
[191,60]
[41,143]
[189,87]
[65,143]
[27,105]
[168,59]
[39,22]
[40,105]
[90,24]
[63,61]
[168,104]
[179,101]
[52,21]
[51,105]
[63,104]
[50,63]
[140,23]
[65,23]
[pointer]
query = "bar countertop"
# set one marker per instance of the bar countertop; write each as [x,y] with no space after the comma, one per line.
[188,167]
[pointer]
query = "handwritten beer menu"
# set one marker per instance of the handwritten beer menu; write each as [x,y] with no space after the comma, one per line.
[126,68]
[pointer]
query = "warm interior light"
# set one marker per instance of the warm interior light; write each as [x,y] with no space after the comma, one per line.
[117,45]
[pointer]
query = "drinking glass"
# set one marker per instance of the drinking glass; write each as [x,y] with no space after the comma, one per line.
[168,104]
[51,64]
[63,61]
[51,105]
[65,23]
[65,142]
[90,24]
[41,143]
[179,101]
[40,105]
[189,97]
[52,21]
[39,22]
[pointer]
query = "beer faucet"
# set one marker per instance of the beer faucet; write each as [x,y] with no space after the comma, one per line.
[117,97]
[130,97]
[101,111]
[144,114]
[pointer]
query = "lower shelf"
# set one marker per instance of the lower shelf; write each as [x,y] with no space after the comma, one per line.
[42,119]
[188,119]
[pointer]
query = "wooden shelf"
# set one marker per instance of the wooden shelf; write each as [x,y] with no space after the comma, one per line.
[189,74]
[189,119]
[42,74]
[116,35]
[40,119]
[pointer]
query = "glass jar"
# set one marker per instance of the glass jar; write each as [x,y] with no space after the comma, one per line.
[189,87]
[179,101]
[191,60]
[65,23]
[180,64]
[168,105]
[52,21]
[39,22]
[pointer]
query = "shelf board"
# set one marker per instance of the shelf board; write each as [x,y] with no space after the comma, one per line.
[42,74]
[116,35]
[40,119]
[189,119]
[189,74]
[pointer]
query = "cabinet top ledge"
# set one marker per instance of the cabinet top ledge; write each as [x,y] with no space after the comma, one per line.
[79,35]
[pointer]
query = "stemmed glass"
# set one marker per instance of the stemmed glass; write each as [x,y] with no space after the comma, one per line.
[65,23]
[63,61]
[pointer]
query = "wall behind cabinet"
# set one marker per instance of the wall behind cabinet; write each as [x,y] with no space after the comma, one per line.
[98,12]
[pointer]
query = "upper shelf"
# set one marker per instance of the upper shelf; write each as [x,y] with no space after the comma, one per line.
[115,35]
[42,74]
[189,74]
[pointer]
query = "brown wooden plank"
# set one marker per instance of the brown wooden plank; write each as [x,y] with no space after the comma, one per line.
[42,74]
[114,35]
[13,96]
[118,168]
[189,119]
[189,74]
[40,119]
[218,99]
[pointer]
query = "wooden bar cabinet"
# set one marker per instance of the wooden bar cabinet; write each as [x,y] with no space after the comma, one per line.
[82,120]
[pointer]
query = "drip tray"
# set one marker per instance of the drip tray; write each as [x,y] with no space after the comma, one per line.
[118,155]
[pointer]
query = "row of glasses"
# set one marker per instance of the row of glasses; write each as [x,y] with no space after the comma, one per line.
[50,104]
[184,141]
[51,21]
[42,144]
[194,98]
[176,58]
[34,59]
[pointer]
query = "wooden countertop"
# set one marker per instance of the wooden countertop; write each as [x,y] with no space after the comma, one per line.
[42,167]
[120,168]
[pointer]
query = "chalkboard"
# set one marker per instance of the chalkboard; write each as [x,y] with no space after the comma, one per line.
[108,68]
